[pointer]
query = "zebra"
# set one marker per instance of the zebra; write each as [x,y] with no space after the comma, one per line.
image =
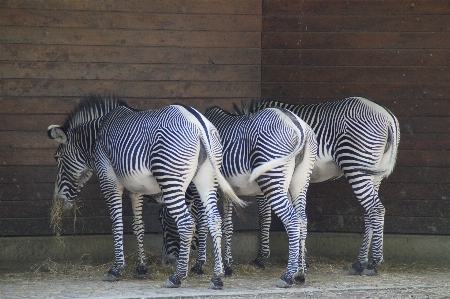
[269,154]
[145,152]
[356,138]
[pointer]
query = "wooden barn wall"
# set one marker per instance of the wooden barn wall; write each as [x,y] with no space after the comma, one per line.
[150,53]
[396,52]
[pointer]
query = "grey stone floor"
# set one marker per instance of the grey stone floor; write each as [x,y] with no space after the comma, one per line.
[324,280]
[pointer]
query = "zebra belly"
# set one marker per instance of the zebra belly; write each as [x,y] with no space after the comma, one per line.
[142,183]
[242,186]
[325,169]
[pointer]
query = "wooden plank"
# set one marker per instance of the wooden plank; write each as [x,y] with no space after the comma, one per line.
[355,7]
[393,74]
[389,191]
[378,90]
[332,191]
[425,141]
[363,23]
[82,226]
[129,37]
[393,224]
[44,156]
[129,54]
[22,191]
[395,207]
[130,72]
[129,20]
[154,6]
[423,158]
[46,173]
[355,40]
[85,208]
[149,89]
[356,57]
[63,105]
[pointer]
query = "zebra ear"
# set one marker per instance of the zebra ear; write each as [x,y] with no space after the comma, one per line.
[57,133]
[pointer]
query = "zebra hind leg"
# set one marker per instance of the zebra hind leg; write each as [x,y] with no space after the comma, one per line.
[138,230]
[264,213]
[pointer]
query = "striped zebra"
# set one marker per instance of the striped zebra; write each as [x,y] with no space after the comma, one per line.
[359,139]
[269,154]
[145,152]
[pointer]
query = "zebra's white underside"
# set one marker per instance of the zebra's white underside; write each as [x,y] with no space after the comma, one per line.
[325,169]
[242,186]
[141,182]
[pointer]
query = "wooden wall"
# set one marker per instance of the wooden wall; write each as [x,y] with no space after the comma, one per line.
[216,52]
[395,52]
[150,53]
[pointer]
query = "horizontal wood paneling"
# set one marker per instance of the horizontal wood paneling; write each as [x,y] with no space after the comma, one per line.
[357,57]
[394,52]
[130,20]
[149,53]
[233,7]
[135,54]
[356,7]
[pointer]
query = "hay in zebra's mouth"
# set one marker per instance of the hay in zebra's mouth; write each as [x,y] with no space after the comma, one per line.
[56,215]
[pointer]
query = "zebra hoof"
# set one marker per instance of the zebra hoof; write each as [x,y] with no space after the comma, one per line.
[228,271]
[299,278]
[258,263]
[141,272]
[284,282]
[356,269]
[370,270]
[197,269]
[172,282]
[112,275]
[216,283]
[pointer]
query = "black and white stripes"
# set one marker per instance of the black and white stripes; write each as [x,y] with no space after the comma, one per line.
[145,152]
[359,139]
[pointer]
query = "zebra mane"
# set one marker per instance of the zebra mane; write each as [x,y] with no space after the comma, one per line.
[91,107]
[249,108]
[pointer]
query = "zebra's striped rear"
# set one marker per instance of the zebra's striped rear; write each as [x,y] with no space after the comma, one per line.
[359,139]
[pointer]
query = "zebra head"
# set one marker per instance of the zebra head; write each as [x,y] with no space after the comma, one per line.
[72,164]
[77,139]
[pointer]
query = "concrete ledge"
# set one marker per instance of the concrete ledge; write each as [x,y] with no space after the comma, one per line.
[23,252]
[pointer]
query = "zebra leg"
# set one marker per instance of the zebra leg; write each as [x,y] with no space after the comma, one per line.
[113,196]
[138,230]
[264,229]
[227,228]
[299,204]
[185,226]
[367,194]
[171,238]
[199,214]
[206,185]
[272,186]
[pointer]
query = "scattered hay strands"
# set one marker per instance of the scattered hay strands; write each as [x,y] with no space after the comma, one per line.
[56,216]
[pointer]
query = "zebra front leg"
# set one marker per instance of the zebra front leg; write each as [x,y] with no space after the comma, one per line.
[265,219]
[115,209]
[138,230]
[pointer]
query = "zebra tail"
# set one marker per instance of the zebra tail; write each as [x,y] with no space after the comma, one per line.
[394,140]
[276,162]
[226,188]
